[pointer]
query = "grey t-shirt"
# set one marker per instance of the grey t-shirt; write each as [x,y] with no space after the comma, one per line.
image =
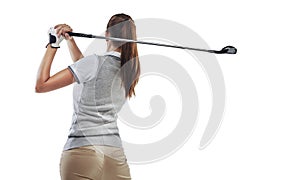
[97,97]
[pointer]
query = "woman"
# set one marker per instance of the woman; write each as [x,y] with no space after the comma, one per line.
[94,148]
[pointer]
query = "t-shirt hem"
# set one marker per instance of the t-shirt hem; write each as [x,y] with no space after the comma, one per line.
[79,142]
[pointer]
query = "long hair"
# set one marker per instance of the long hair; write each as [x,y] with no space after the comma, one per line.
[122,26]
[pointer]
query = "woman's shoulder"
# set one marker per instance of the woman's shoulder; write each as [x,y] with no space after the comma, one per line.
[102,58]
[93,58]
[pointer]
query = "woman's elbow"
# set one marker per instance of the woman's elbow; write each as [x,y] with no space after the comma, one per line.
[39,88]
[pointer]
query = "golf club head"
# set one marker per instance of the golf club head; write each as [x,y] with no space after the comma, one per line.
[229,50]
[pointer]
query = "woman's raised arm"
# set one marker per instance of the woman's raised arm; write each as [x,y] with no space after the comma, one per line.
[45,82]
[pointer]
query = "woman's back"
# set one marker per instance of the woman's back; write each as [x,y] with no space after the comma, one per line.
[98,96]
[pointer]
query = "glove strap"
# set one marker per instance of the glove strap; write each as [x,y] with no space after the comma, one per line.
[52,39]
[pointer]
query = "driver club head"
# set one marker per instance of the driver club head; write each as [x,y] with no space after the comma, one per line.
[229,50]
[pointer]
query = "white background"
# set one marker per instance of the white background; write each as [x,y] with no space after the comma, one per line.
[259,136]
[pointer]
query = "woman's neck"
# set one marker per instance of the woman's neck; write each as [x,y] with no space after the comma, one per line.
[110,47]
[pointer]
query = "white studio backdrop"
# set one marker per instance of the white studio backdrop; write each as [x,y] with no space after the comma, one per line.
[259,135]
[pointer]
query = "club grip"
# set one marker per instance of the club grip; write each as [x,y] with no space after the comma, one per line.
[81,35]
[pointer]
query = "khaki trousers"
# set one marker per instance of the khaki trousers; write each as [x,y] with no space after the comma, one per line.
[86,163]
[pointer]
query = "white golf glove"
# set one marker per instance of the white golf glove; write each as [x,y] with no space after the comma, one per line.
[54,40]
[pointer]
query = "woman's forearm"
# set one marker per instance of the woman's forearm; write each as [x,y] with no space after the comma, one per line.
[45,66]
[74,50]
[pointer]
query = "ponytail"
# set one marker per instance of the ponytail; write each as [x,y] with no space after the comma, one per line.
[122,26]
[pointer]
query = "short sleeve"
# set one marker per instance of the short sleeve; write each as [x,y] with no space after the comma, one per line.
[85,69]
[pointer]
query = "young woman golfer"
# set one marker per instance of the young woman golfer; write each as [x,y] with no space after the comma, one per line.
[102,84]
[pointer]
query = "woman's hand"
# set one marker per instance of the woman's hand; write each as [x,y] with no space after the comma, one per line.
[62,30]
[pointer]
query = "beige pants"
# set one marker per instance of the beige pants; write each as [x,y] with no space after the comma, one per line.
[87,163]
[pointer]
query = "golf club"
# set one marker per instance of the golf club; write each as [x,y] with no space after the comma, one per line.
[225,50]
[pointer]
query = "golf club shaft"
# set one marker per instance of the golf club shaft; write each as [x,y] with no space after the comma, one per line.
[142,42]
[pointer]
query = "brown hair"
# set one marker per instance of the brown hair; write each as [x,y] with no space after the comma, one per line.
[122,26]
